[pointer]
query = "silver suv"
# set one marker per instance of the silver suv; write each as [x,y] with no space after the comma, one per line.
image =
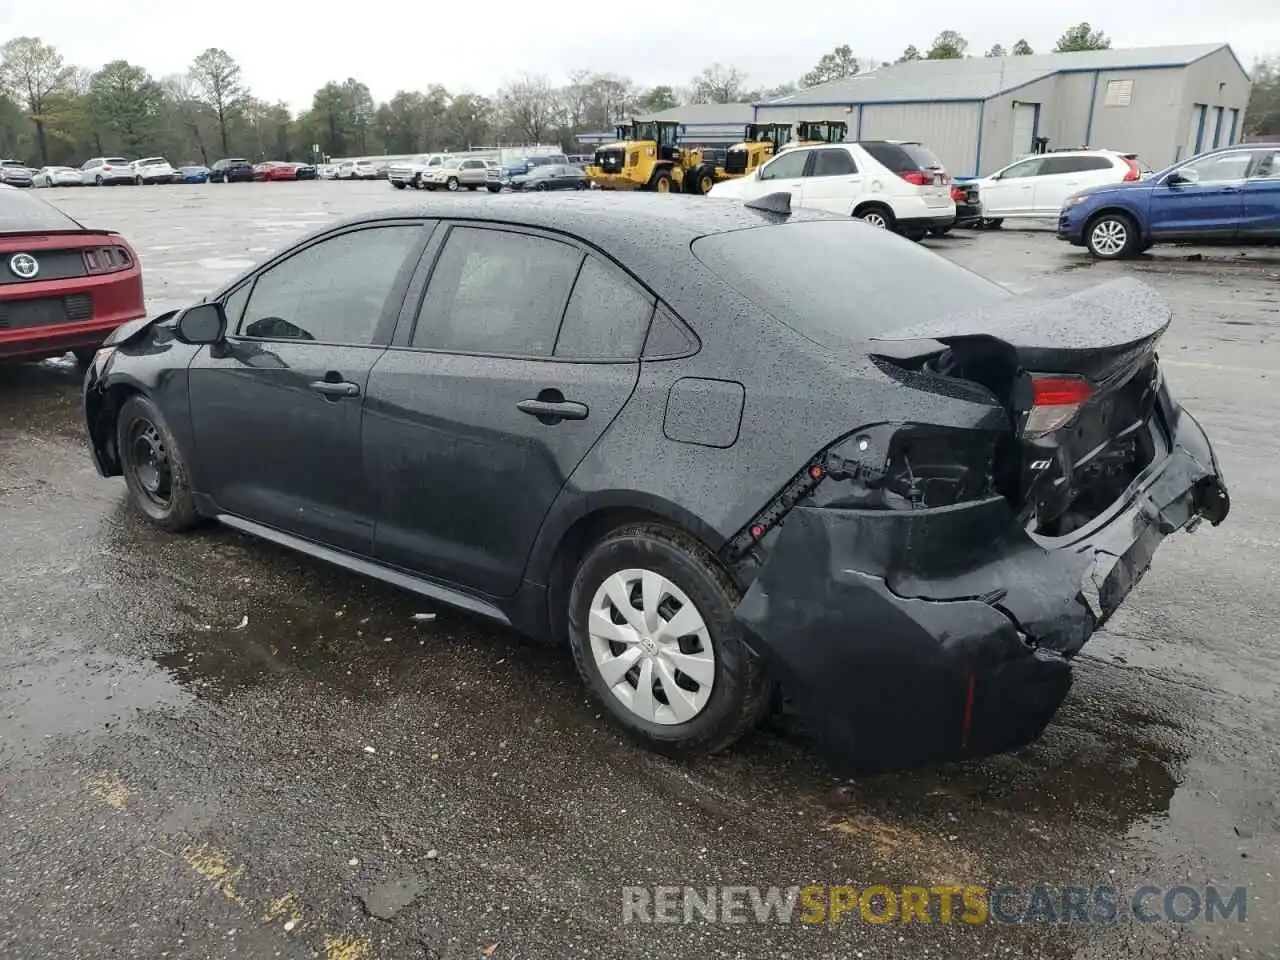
[457,172]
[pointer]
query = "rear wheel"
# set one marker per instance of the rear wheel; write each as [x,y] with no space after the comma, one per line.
[876,215]
[1112,236]
[994,224]
[653,635]
[494,188]
[473,187]
[397,184]
[451,184]
[153,466]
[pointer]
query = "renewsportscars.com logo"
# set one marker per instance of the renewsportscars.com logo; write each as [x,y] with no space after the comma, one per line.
[817,904]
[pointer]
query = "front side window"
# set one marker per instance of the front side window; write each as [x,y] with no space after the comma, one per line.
[497,292]
[1218,168]
[333,291]
[1267,167]
[785,166]
[1024,168]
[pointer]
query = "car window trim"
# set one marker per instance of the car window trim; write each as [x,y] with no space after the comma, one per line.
[415,296]
[385,327]
[624,278]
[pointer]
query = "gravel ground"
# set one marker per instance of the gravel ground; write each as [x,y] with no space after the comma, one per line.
[335,779]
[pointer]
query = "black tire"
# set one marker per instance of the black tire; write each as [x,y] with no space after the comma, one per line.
[939,231]
[451,184]
[876,214]
[994,224]
[540,187]
[1112,236]
[397,184]
[740,691]
[84,357]
[167,502]
[701,179]
[138,181]
[494,189]
[97,180]
[660,182]
[473,187]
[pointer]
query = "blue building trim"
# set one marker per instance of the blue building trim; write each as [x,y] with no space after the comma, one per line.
[845,103]
[1218,113]
[977,159]
[1235,119]
[1093,102]
[1204,110]
[858,130]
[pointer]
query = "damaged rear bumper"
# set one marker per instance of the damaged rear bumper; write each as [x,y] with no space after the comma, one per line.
[908,637]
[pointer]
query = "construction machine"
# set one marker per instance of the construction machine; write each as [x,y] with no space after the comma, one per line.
[760,141]
[812,132]
[646,156]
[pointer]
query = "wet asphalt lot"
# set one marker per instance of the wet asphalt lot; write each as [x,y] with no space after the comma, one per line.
[212,748]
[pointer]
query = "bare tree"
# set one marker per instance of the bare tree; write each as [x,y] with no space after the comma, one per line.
[182,90]
[32,72]
[719,84]
[217,77]
[530,106]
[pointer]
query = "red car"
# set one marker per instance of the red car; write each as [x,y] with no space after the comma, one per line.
[63,286]
[283,170]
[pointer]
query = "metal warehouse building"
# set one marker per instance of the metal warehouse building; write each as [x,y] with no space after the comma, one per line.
[980,113]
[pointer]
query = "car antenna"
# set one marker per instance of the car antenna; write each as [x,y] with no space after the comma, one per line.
[779,203]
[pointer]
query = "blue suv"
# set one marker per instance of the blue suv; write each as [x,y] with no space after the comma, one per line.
[1227,194]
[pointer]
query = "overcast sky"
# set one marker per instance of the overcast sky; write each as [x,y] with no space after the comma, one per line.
[287,50]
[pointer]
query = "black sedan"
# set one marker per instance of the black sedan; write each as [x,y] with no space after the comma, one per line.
[231,170]
[691,443]
[552,176]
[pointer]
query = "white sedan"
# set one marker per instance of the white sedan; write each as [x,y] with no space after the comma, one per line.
[57,177]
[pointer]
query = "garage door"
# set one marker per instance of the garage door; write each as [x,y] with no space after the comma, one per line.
[1024,128]
[1195,132]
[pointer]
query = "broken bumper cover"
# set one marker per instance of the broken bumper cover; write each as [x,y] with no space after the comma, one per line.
[909,637]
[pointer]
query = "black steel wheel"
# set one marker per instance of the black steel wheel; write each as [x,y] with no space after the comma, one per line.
[154,469]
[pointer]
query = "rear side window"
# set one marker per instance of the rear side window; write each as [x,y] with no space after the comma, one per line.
[497,292]
[903,157]
[839,282]
[1053,165]
[832,163]
[607,317]
[21,211]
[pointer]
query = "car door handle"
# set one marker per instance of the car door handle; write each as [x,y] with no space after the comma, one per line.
[553,410]
[335,388]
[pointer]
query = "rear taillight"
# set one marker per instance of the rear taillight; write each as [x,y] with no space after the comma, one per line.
[958,194]
[1133,172]
[1055,401]
[106,166]
[919,178]
[99,260]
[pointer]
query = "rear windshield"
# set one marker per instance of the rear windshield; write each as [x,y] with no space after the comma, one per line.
[152,161]
[903,157]
[839,282]
[22,212]
[115,160]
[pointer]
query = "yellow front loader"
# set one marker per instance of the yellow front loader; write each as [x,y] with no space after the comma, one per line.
[646,156]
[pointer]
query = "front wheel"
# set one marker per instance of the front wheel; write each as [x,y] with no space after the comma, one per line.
[451,184]
[1112,236]
[494,188]
[154,469]
[653,635]
[98,180]
[397,184]
[661,182]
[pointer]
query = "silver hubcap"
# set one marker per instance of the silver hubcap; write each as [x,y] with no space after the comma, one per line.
[651,647]
[1109,236]
[876,219]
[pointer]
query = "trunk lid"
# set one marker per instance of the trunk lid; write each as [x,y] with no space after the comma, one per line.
[1080,380]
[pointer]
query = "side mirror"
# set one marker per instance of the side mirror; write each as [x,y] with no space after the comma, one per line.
[203,323]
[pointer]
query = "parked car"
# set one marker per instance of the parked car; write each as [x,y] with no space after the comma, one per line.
[524,165]
[457,172]
[915,471]
[15,173]
[964,191]
[153,170]
[57,177]
[326,171]
[194,173]
[357,170]
[1231,194]
[493,176]
[231,170]
[304,171]
[1035,187]
[283,170]
[63,287]
[408,173]
[552,176]
[106,171]
[896,186]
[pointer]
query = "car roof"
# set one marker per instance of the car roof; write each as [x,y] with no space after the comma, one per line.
[648,233]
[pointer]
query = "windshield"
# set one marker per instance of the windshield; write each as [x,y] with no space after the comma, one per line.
[644,130]
[452,164]
[115,160]
[152,161]
[798,272]
[19,211]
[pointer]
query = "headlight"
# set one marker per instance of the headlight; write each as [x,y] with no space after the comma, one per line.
[1074,201]
[101,359]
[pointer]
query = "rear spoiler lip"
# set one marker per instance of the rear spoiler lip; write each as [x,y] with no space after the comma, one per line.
[1110,316]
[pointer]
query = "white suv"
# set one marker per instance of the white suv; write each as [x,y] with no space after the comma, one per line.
[896,185]
[1035,187]
[153,170]
[104,170]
